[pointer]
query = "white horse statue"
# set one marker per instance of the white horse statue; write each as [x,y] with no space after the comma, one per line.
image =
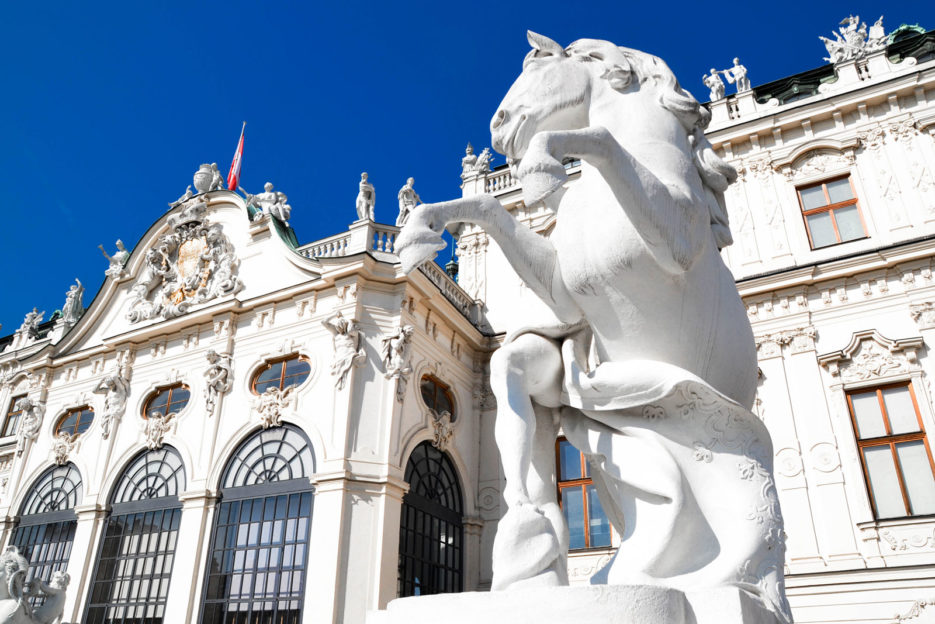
[650,365]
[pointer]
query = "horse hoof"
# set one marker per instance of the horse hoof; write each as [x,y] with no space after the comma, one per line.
[416,246]
[538,185]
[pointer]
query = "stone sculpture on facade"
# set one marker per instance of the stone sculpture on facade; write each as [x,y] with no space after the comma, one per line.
[345,336]
[32,413]
[117,261]
[15,592]
[270,405]
[467,163]
[116,389]
[62,445]
[408,200]
[270,202]
[659,401]
[397,349]
[208,178]
[192,263]
[219,378]
[156,427]
[852,41]
[31,321]
[715,85]
[473,165]
[366,198]
[73,309]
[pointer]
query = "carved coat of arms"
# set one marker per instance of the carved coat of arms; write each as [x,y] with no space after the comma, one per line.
[192,263]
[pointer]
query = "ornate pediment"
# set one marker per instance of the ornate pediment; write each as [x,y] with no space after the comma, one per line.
[870,355]
[191,263]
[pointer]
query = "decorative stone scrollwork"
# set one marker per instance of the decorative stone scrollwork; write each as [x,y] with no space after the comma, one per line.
[923,314]
[156,427]
[800,339]
[918,609]
[869,354]
[442,431]
[62,445]
[192,263]
[31,422]
[271,404]
[219,378]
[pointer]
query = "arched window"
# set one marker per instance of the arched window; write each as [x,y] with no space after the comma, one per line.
[167,400]
[437,396]
[47,522]
[257,568]
[75,421]
[431,533]
[134,564]
[291,370]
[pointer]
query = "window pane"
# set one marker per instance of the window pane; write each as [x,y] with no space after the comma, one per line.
[269,378]
[570,460]
[901,411]
[849,225]
[573,508]
[917,473]
[821,229]
[598,524]
[867,413]
[813,197]
[840,190]
[883,480]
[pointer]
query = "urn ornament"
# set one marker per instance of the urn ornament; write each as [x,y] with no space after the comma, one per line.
[207,178]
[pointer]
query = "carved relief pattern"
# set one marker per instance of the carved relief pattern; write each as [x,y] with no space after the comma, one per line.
[31,422]
[744,227]
[156,427]
[763,171]
[770,345]
[270,405]
[442,431]
[870,355]
[873,139]
[62,445]
[923,314]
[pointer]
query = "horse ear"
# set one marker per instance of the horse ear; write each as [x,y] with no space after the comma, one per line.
[544,44]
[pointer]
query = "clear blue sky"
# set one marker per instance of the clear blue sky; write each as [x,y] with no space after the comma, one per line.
[108,108]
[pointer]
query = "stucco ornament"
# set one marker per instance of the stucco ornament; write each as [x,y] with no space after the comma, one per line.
[408,200]
[271,404]
[397,350]
[345,337]
[115,386]
[366,198]
[117,261]
[219,378]
[853,41]
[15,607]
[156,427]
[191,263]
[31,422]
[636,240]
[62,445]
[442,430]
[270,202]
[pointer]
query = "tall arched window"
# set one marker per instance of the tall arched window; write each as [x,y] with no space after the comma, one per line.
[431,533]
[134,563]
[47,521]
[257,568]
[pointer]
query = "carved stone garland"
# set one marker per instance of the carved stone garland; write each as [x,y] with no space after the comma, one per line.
[192,263]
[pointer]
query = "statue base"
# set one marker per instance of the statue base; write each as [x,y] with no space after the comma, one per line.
[608,604]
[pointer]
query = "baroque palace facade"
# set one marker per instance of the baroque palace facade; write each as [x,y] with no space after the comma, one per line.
[243,429]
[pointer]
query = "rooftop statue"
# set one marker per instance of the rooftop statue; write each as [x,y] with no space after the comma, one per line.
[852,41]
[73,308]
[208,179]
[408,200]
[366,198]
[270,202]
[115,270]
[31,322]
[473,164]
[467,163]
[737,75]
[648,360]
[715,85]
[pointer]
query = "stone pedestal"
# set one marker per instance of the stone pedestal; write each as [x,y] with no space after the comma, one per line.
[607,604]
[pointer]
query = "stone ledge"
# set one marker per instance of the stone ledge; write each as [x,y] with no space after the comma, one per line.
[607,604]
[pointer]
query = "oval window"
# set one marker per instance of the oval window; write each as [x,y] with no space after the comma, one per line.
[167,400]
[282,373]
[437,396]
[75,421]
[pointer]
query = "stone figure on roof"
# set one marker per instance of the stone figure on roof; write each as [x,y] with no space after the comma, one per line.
[467,163]
[117,260]
[737,75]
[73,308]
[852,41]
[408,200]
[473,164]
[366,198]
[31,323]
[270,202]
[714,84]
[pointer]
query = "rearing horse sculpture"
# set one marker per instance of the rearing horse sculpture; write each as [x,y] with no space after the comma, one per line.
[650,362]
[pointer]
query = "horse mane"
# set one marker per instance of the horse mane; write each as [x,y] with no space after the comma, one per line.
[621,65]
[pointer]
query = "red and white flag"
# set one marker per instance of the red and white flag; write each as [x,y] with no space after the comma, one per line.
[233,178]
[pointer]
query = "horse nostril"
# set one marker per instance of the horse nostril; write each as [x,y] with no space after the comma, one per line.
[498,119]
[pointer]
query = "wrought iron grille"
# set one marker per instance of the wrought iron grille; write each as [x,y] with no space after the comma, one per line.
[47,523]
[257,568]
[134,564]
[431,532]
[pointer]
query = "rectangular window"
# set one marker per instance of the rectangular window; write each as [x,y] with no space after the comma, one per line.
[588,526]
[831,213]
[893,450]
[13,415]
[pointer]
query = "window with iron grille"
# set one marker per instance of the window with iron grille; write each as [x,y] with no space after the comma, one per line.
[291,370]
[167,400]
[831,213]
[588,526]
[134,564]
[431,531]
[894,451]
[13,414]
[47,523]
[257,568]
